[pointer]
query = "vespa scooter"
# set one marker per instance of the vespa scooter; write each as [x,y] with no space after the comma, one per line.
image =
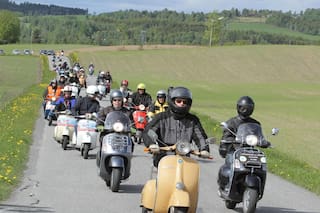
[115,153]
[176,187]
[64,129]
[248,168]
[86,137]
[140,120]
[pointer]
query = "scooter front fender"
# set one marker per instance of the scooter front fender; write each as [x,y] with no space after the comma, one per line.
[253,181]
[148,194]
[179,198]
[116,161]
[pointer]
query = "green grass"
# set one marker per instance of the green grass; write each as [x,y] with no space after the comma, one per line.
[17,120]
[268,28]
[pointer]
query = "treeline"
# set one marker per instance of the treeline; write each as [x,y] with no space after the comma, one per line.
[31,9]
[133,27]
[305,22]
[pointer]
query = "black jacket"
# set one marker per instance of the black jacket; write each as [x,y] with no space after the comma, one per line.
[102,114]
[233,124]
[144,99]
[86,105]
[170,130]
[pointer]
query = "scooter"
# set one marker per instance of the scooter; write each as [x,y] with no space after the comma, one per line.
[91,70]
[248,169]
[49,106]
[64,129]
[101,88]
[86,137]
[115,153]
[140,120]
[177,184]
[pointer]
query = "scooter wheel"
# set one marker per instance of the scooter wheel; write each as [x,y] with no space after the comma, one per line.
[50,121]
[230,204]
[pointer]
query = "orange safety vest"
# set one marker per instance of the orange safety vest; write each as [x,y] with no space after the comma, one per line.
[53,93]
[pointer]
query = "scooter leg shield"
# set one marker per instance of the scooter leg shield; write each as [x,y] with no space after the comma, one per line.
[179,198]
[116,161]
[253,181]
[148,194]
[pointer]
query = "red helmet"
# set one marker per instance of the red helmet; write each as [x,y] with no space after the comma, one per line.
[125,82]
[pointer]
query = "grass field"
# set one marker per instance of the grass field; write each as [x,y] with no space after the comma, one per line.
[283,80]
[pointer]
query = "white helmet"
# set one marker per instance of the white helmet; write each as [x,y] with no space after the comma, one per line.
[67,88]
[92,90]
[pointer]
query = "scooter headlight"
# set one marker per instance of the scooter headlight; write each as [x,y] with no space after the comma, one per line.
[183,148]
[118,127]
[243,158]
[252,140]
[142,107]
[263,160]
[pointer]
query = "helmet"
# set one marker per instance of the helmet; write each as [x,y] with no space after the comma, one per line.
[141,86]
[161,94]
[53,81]
[115,94]
[245,106]
[92,90]
[125,82]
[67,88]
[180,92]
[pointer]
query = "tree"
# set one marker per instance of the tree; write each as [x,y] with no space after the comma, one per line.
[9,27]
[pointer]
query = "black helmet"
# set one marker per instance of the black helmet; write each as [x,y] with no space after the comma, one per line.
[116,94]
[180,92]
[245,106]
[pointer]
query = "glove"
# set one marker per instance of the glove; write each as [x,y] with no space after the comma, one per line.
[100,128]
[204,154]
[154,148]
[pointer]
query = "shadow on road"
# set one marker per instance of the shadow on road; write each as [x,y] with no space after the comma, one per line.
[24,208]
[131,189]
[267,209]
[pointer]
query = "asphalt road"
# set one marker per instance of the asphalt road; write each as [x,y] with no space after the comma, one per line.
[62,181]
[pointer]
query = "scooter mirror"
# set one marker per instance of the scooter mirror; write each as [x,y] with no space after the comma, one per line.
[275,131]
[152,134]
[224,125]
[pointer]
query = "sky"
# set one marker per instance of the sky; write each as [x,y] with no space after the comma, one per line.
[187,6]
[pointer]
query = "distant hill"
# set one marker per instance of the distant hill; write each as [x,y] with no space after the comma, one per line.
[27,8]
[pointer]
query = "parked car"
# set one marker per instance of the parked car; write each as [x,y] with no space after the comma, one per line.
[16,52]
[2,52]
[43,52]
[51,52]
[27,52]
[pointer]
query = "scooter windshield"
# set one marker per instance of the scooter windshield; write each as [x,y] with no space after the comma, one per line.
[117,117]
[249,129]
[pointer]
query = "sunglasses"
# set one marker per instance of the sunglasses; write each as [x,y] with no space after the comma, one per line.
[117,100]
[179,101]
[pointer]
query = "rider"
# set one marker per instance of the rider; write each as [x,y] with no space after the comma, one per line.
[245,107]
[88,104]
[51,91]
[62,81]
[73,78]
[66,102]
[108,76]
[116,99]
[125,90]
[141,96]
[160,105]
[176,124]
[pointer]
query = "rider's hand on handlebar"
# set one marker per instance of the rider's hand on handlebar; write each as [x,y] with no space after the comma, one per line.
[154,148]
[204,154]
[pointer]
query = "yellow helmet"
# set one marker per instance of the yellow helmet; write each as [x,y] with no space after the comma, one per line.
[141,86]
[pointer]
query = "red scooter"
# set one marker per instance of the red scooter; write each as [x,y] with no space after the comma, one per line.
[140,119]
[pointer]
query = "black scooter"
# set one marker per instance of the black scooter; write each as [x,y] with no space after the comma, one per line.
[248,168]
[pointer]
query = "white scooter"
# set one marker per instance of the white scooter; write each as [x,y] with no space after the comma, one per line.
[64,129]
[85,138]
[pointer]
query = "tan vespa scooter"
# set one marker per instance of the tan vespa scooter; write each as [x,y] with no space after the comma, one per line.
[175,190]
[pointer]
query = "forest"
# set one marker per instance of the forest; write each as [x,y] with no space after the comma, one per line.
[132,27]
